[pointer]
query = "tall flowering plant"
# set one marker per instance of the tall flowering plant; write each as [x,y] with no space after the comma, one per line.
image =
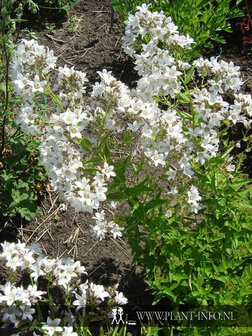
[150,146]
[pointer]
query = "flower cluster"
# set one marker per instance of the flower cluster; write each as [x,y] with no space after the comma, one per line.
[156,63]
[102,226]
[17,303]
[152,40]
[60,153]
[156,26]
[30,67]
[169,125]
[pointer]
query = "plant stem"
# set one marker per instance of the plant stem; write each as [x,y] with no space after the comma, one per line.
[6,102]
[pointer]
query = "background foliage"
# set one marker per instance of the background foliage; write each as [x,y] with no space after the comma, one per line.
[202,259]
[20,167]
[203,20]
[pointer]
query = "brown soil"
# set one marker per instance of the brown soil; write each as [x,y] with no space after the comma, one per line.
[91,45]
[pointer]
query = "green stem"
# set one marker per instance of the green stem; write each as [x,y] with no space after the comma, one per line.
[6,98]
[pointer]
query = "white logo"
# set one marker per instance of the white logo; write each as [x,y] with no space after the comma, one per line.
[117,314]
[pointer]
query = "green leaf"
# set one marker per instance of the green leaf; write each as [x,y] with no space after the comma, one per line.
[189,74]
[106,152]
[127,139]
[138,189]
[6,176]
[93,161]
[185,115]
[239,184]
[120,169]
[154,203]
[246,205]
[3,88]
[55,98]
[28,210]
[103,142]
[184,97]
[85,144]
[116,196]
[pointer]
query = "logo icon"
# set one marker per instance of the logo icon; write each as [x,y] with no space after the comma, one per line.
[117,316]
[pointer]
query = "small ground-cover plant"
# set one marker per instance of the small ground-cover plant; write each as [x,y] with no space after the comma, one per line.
[203,20]
[56,4]
[157,147]
[34,6]
[20,166]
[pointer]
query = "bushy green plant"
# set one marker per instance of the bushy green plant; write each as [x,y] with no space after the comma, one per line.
[203,20]
[20,167]
[21,176]
[201,259]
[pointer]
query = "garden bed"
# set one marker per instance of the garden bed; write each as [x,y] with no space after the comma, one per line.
[89,42]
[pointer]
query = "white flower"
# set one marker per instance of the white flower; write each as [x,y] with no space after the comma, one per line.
[120,298]
[14,263]
[100,229]
[80,301]
[193,198]
[193,195]
[9,249]
[27,312]
[51,326]
[168,213]
[99,216]
[99,291]
[108,170]
[63,207]
[11,294]
[35,248]
[34,293]
[68,331]
[115,229]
